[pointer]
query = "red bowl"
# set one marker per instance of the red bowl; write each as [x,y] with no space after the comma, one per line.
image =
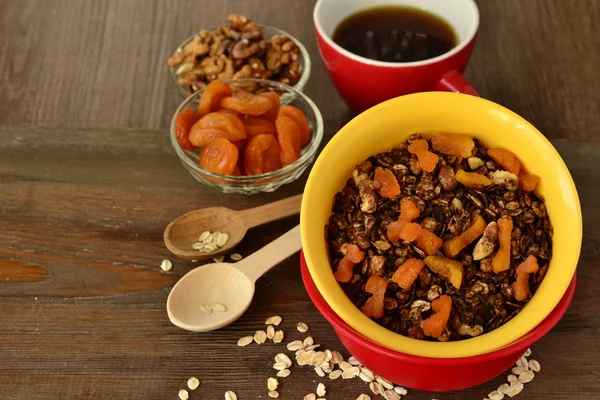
[431,374]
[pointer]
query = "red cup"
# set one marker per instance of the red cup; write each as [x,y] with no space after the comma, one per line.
[363,82]
[425,373]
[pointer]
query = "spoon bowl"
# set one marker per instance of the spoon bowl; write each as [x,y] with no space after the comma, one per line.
[228,285]
[183,232]
[219,283]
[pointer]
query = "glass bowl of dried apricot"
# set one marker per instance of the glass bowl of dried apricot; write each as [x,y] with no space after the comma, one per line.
[246,135]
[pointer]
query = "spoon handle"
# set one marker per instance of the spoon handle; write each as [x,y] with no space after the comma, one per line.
[261,261]
[271,212]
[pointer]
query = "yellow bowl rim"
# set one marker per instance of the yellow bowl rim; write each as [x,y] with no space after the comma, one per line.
[329,288]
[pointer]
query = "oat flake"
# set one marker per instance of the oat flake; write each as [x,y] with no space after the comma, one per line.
[260,337]
[363,397]
[335,374]
[218,307]
[166,265]
[274,394]
[236,256]
[270,332]
[310,396]
[275,320]
[183,394]
[321,390]
[193,383]
[302,327]
[272,384]
[284,373]
[206,308]
[534,366]
[245,341]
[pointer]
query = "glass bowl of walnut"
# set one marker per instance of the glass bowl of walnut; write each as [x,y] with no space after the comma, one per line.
[239,50]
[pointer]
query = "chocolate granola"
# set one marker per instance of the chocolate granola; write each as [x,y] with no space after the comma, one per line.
[485,299]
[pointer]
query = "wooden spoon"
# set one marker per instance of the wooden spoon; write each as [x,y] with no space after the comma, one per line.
[183,232]
[224,284]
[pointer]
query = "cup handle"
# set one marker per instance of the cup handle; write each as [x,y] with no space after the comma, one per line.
[453,81]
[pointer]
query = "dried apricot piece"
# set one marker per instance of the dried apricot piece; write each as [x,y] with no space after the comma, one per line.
[450,269]
[427,159]
[527,181]
[428,241]
[407,273]
[231,125]
[271,115]
[258,126]
[262,155]
[298,116]
[210,100]
[472,178]
[501,261]
[377,286]
[506,159]
[434,326]
[410,231]
[453,144]
[389,186]
[183,125]
[352,256]
[220,155]
[408,212]
[455,245]
[203,136]
[247,103]
[288,134]
[521,286]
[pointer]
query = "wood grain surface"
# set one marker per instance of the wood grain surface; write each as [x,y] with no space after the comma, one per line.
[89,181]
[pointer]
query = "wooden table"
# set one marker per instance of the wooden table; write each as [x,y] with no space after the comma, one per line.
[88,182]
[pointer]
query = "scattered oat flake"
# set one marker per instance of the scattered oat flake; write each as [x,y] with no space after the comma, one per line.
[219,259]
[321,391]
[512,378]
[527,353]
[280,366]
[401,391]
[193,383]
[335,374]
[337,357]
[245,341]
[295,345]
[183,394]
[515,390]
[302,327]
[522,362]
[366,375]
[518,370]
[319,371]
[385,383]
[218,307]
[229,395]
[345,365]
[270,332]
[310,396]
[272,384]
[166,265]
[502,389]
[274,394]
[363,397]
[391,395]
[309,341]
[374,386]
[236,256]
[526,376]
[278,337]
[284,359]
[206,308]
[222,239]
[274,320]
[534,365]
[494,395]
[260,337]
[284,373]
[353,361]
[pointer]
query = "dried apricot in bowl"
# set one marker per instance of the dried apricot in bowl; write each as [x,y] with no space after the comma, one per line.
[211,98]
[220,155]
[183,125]
[247,103]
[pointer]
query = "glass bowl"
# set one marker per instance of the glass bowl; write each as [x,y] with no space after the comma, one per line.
[267,182]
[268,33]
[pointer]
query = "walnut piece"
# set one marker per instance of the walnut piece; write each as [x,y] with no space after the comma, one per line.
[485,246]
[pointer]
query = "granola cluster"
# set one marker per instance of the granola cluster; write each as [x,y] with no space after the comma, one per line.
[425,234]
[236,51]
